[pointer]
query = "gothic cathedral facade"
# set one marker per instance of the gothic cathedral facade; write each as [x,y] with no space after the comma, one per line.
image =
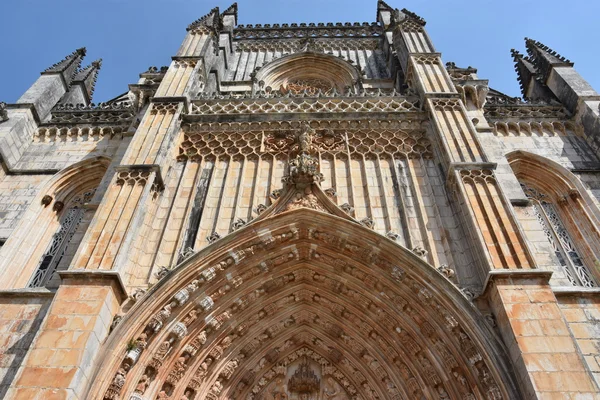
[302,212]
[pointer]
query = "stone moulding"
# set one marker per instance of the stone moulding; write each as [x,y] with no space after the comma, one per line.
[85,277]
[304,105]
[282,31]
[298,253]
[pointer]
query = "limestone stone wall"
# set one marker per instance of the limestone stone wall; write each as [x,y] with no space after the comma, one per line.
[583,319]
[55,155]
[16,194]
[20,319]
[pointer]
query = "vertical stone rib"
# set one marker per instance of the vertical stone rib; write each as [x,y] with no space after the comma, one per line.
[249,187]
[383,184]
[208,223]
[238,189]
[423,217]
[118,234]
[167,80]
[515,245]
[239,74]
[177,215]
[150,137]
[110,225]
[484,224]
[360,201]
[140,138]
[467,145]
[197,210]
[260,191]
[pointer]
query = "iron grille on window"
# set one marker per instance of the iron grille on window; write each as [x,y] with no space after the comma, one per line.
[558,236]
[60,240]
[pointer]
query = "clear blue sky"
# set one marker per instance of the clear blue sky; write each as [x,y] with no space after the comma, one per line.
[131,35]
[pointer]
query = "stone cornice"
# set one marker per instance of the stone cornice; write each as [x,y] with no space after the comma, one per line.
[520,275]
[27,293]
[311,30]
[565,291]
[87,277]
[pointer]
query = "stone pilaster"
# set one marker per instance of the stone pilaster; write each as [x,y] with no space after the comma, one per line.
[60,360]
[518,302]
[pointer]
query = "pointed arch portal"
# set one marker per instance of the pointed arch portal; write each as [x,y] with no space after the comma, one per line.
[308,305]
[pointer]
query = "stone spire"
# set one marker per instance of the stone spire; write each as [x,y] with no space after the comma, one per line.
[68,66]
[52,85]
[544,58]
[530,81]
[83,85]
[525,70]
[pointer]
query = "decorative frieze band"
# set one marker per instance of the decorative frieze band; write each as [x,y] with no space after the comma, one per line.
[305,105]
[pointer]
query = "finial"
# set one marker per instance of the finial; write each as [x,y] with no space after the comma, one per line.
[67,66]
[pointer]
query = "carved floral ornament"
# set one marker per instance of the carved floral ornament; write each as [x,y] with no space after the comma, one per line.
[236,321]
[308,71]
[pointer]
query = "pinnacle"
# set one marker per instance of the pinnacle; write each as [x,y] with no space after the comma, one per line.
[420,20]
[69,64]
[209,20]
[97,64]
[383,5]
[534,46]
[232,9]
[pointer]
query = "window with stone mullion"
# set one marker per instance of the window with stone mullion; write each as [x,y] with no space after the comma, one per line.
[560,239]
[56,250]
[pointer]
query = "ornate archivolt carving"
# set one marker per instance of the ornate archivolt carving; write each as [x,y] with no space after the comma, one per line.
[349,272]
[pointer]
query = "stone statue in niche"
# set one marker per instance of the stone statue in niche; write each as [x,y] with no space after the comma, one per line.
[332,390]
[278,392]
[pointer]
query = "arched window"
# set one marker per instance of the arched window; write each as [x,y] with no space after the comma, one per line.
[69,223]
[563,245]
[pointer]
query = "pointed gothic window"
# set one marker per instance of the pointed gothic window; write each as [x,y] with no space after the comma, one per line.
[563,245]
[60,240]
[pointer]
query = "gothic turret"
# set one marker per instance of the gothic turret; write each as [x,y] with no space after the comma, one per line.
[83,84]
[230,17]
[52,84]
[544,58]
[529,79]
[211,21]
[384,13]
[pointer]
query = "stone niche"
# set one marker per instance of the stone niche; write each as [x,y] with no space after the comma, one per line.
[304,379]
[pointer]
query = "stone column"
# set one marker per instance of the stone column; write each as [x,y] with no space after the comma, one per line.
[530,322]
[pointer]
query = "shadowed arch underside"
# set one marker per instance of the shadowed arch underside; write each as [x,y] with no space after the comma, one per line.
[303,305]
